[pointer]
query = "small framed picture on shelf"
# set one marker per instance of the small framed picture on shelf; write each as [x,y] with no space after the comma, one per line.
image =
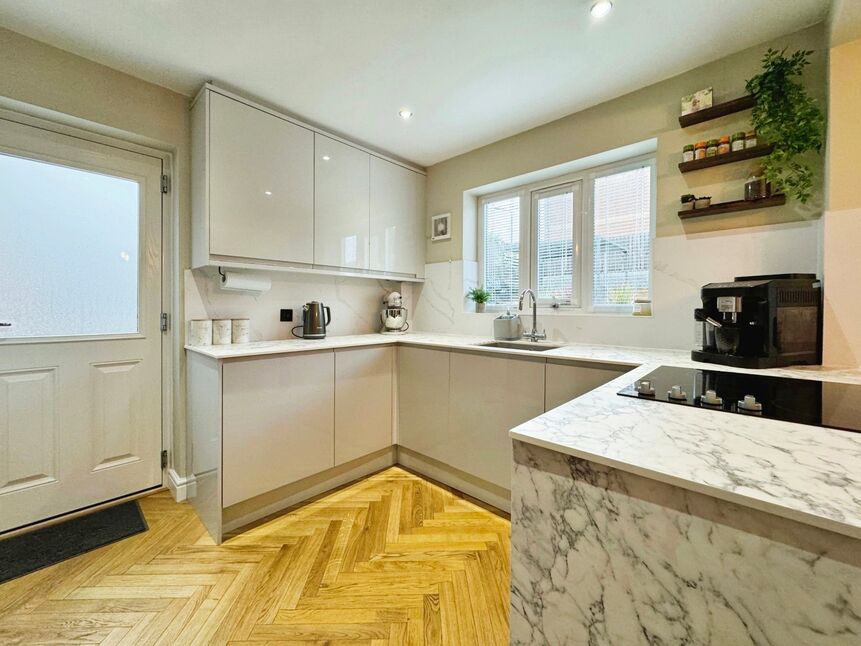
[441,227]
[697,101]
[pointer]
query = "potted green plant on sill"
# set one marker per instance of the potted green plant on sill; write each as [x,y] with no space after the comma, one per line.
[480,296]
[788,118]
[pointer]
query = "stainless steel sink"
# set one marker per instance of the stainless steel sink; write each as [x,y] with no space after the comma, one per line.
[520,345]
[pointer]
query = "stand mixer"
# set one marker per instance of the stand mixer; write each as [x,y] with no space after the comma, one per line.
[394,315]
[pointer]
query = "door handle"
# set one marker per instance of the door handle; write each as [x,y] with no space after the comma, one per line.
[5,324]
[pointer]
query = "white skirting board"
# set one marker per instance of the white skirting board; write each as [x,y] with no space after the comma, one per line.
[181,488]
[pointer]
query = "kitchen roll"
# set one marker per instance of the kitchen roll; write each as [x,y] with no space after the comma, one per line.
[237,282]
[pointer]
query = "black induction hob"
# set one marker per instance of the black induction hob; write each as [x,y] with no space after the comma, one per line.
[804,401]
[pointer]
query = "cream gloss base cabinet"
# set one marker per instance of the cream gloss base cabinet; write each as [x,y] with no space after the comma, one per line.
[488,396]
[363,401]
[565,380]
[423,380]
[252,184]
[278,422]
[457,408]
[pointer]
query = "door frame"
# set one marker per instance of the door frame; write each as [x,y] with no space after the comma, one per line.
[171,395]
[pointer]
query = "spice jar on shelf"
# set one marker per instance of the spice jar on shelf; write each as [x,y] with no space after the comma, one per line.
[688,153]
[750,139]
[712,148]
[700,150]
[737,142]
[723,145]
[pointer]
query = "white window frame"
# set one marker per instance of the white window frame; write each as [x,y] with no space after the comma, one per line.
[583,183]
[589,226]
[523,269]
[576,187]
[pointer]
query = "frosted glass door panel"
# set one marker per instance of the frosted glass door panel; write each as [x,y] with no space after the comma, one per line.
[69,247]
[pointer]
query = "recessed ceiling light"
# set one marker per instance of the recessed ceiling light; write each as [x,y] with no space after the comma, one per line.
[326,158]
[601,8]
[405,114]
[267,192]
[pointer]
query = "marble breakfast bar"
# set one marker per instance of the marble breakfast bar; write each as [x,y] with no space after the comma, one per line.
[636,522]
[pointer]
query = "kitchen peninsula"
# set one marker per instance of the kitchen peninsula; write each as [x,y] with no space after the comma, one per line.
[637,522]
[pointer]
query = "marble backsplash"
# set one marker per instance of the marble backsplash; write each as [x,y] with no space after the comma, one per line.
[355,302]
[681,265]
[600,556]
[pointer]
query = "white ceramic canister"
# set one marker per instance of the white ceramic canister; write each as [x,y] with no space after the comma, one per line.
[241,330]
[221,332]
[200,332]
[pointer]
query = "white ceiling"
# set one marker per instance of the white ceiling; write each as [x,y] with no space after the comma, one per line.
[473,71]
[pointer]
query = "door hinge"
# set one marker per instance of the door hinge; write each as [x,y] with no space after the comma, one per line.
[165,321]
[164,459]
[165,183]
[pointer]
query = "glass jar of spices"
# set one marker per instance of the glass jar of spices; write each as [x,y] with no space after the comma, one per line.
[737,142]
[700,150]
[688,153]
[712,148]
[723,145]
[750,139]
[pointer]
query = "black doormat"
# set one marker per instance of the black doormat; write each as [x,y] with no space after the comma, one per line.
[29,552]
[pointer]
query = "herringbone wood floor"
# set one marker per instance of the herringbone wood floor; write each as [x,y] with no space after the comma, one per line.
[392,559]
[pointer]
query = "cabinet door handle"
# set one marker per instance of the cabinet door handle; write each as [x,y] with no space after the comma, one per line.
[5,324]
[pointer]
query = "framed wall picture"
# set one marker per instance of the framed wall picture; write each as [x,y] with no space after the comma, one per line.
[441,227]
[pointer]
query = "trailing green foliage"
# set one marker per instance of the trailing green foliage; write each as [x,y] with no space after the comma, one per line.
[787,117]
[478,294]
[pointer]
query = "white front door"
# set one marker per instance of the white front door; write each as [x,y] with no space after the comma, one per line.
[80,339]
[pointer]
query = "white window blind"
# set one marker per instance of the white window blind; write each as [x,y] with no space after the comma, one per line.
[501,234]
[622,237]
[554,243]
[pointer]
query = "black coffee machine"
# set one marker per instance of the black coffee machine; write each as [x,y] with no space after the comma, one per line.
[761,322]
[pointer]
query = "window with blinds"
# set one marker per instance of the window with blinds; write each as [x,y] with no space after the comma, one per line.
[553,212]
[621,246]
[501,254]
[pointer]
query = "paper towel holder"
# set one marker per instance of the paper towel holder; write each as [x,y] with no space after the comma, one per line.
[237,282]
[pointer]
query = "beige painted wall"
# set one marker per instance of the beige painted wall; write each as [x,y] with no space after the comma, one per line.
[647,113]
[39,75]
[842,240]
[844,140]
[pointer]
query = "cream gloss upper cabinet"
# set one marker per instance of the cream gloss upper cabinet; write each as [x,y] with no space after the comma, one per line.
[341,204]
[397,217]
[252,182]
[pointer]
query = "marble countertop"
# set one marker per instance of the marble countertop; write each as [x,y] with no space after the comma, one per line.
[620,355]
[801,472]
[805,473]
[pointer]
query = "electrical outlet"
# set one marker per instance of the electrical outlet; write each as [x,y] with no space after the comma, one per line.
[286,316]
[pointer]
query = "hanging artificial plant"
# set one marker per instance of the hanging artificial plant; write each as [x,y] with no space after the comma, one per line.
[787,117]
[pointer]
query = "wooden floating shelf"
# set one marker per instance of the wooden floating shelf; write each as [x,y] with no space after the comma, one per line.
[726,158]
[735,206]
[719,110]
